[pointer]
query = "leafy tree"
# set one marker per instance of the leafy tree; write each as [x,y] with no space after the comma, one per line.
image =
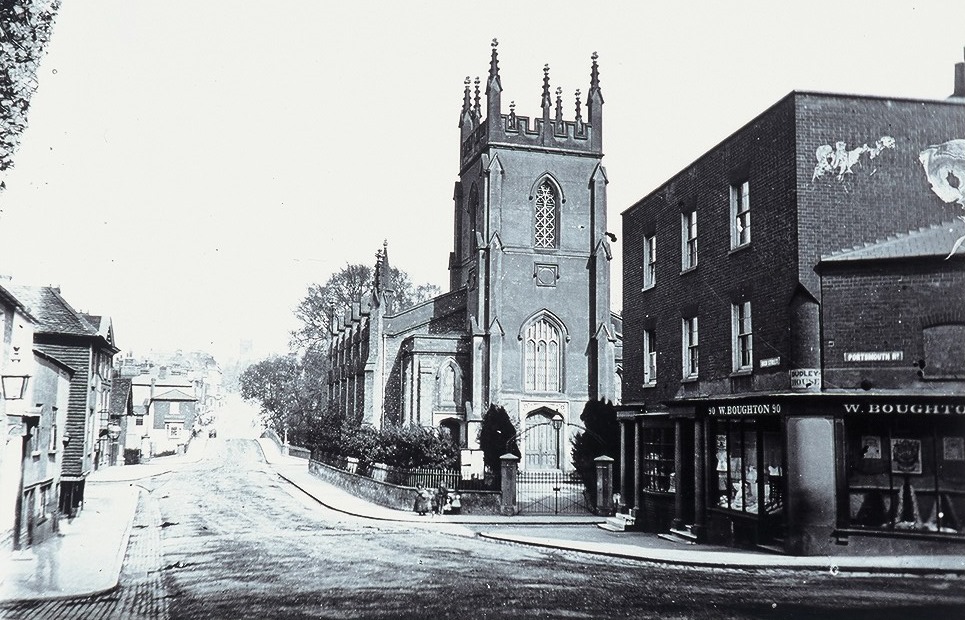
[497,436]
[344,287]
[25,29]
[291,400]
[601,437]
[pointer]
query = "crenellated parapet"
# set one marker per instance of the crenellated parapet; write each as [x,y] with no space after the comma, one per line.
[548,130]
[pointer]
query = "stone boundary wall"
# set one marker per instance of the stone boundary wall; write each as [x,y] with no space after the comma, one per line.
[399,497]
[299,452]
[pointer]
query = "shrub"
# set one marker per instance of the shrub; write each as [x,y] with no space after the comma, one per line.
[412,447]
[132,456]
[497,436]
[600,437]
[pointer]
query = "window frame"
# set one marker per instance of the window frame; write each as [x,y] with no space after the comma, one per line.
[548,358]
[740,215]
[688,240]
[650,358]
[649,262]
[742,341]
[691,349]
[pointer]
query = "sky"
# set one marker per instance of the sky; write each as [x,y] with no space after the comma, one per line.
[191,166]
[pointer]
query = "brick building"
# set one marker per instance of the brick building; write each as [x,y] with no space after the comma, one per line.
[527,322]
[801,291]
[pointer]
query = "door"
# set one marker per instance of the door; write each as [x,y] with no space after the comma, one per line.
[541,443]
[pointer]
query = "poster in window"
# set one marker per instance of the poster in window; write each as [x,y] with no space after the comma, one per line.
[905,456]
[953,448]
[870,447]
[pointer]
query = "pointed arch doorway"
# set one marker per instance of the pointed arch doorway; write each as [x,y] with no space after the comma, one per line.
[542,441]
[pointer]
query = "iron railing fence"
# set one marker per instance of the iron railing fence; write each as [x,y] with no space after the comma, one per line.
[430,478]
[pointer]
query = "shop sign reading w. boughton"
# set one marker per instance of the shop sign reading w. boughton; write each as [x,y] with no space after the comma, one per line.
[919,408]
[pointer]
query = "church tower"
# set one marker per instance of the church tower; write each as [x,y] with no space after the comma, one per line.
[531,251]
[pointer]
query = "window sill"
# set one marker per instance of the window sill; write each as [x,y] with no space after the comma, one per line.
[686,270]
[648,386]
[742,372]
[739,248]
[689,380]
[649,288]
[35,454]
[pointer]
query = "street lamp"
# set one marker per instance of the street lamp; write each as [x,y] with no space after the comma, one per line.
[557,421]
[14,386]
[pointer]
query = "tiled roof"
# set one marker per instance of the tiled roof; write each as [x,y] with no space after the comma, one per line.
[120,395]
[54,314]
[936,240]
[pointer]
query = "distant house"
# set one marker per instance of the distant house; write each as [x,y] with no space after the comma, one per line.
[85,343]
[166,409]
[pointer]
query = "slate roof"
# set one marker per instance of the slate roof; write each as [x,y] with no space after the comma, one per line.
[928,241]
[54,314]
[13,300]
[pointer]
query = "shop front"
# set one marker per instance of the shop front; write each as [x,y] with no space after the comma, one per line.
[657,452]
[744,469]
[902,475]
[802,474]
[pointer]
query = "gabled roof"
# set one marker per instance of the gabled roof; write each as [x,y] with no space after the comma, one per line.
[174,395]
[928,241]
[122,398]
[56,316]
[102,324]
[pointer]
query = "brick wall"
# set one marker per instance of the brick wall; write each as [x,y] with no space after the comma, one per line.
[763,273]
[882,196]
[883,307]
[796,217]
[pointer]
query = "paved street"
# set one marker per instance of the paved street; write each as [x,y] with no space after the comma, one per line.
[225,537]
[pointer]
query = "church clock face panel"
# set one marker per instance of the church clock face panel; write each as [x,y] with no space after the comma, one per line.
[546,275]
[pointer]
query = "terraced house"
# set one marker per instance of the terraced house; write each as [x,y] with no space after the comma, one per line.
[84,343]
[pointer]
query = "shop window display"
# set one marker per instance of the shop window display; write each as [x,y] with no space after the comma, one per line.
[657,460]
[748,475]
[906,475]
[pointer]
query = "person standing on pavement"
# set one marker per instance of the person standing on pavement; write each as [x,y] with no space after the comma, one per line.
[442,495]
[422,499]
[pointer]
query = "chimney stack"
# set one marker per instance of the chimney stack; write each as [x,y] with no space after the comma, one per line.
[959,80]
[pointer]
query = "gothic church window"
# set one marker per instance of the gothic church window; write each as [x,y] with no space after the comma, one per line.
[546,233]
[542,357]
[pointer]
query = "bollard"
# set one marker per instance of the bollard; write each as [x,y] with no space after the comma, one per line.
[507,503]
[604,485]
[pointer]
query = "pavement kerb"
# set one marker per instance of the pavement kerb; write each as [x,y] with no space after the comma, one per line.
[716,559]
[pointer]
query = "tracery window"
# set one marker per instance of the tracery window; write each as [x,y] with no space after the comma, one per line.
[543,357]
[546,229]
